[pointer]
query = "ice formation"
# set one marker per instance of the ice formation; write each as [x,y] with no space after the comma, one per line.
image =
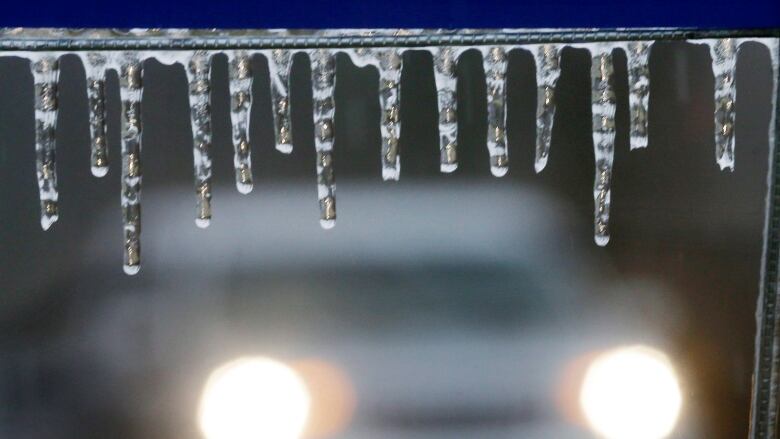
[388,61]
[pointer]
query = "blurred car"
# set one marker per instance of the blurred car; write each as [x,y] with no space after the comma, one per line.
[448,311]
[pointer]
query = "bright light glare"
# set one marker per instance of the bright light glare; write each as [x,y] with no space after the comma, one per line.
[631,393]
[254,398]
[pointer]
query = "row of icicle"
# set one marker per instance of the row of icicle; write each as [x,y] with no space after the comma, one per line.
[389,62]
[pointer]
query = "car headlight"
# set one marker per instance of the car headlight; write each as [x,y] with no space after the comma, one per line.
[254,398]
[631,393]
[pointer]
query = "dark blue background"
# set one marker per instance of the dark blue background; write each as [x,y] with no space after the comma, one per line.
[395,13]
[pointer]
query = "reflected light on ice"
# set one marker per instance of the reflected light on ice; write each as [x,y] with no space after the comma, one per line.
[631,393]
[254,398]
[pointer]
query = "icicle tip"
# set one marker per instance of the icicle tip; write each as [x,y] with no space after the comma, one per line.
[726,164]
[499,171]
[391,174]
[131,269]
[448,168]
[202,222]
[638,143]
[244,188]
[540,164]
[284,148]
[327,224]
[48,221]
[99,171]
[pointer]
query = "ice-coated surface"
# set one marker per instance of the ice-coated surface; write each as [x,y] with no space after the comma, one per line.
[130,91]
[445,66]
[198,75]
[389,63]
[279,64]
[95,68]
[773,44]
[724,53]
[603,108]
[323,81]
[494,61]
[548,69]
[45,72]
[724,67]
[638,56]
[240,70]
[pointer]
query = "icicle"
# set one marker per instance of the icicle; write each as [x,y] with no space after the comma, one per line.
[323,79]
[724,67]
[130,91]
[198,74]
[638,54]
[603,108]
[548,69]
[95,67]
[45,72]
[445,66]
[279,63]
[495,65]
[390,65]
[240,106]
[774,53]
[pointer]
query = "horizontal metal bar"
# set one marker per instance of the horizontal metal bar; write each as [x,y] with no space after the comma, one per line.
[49,39]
